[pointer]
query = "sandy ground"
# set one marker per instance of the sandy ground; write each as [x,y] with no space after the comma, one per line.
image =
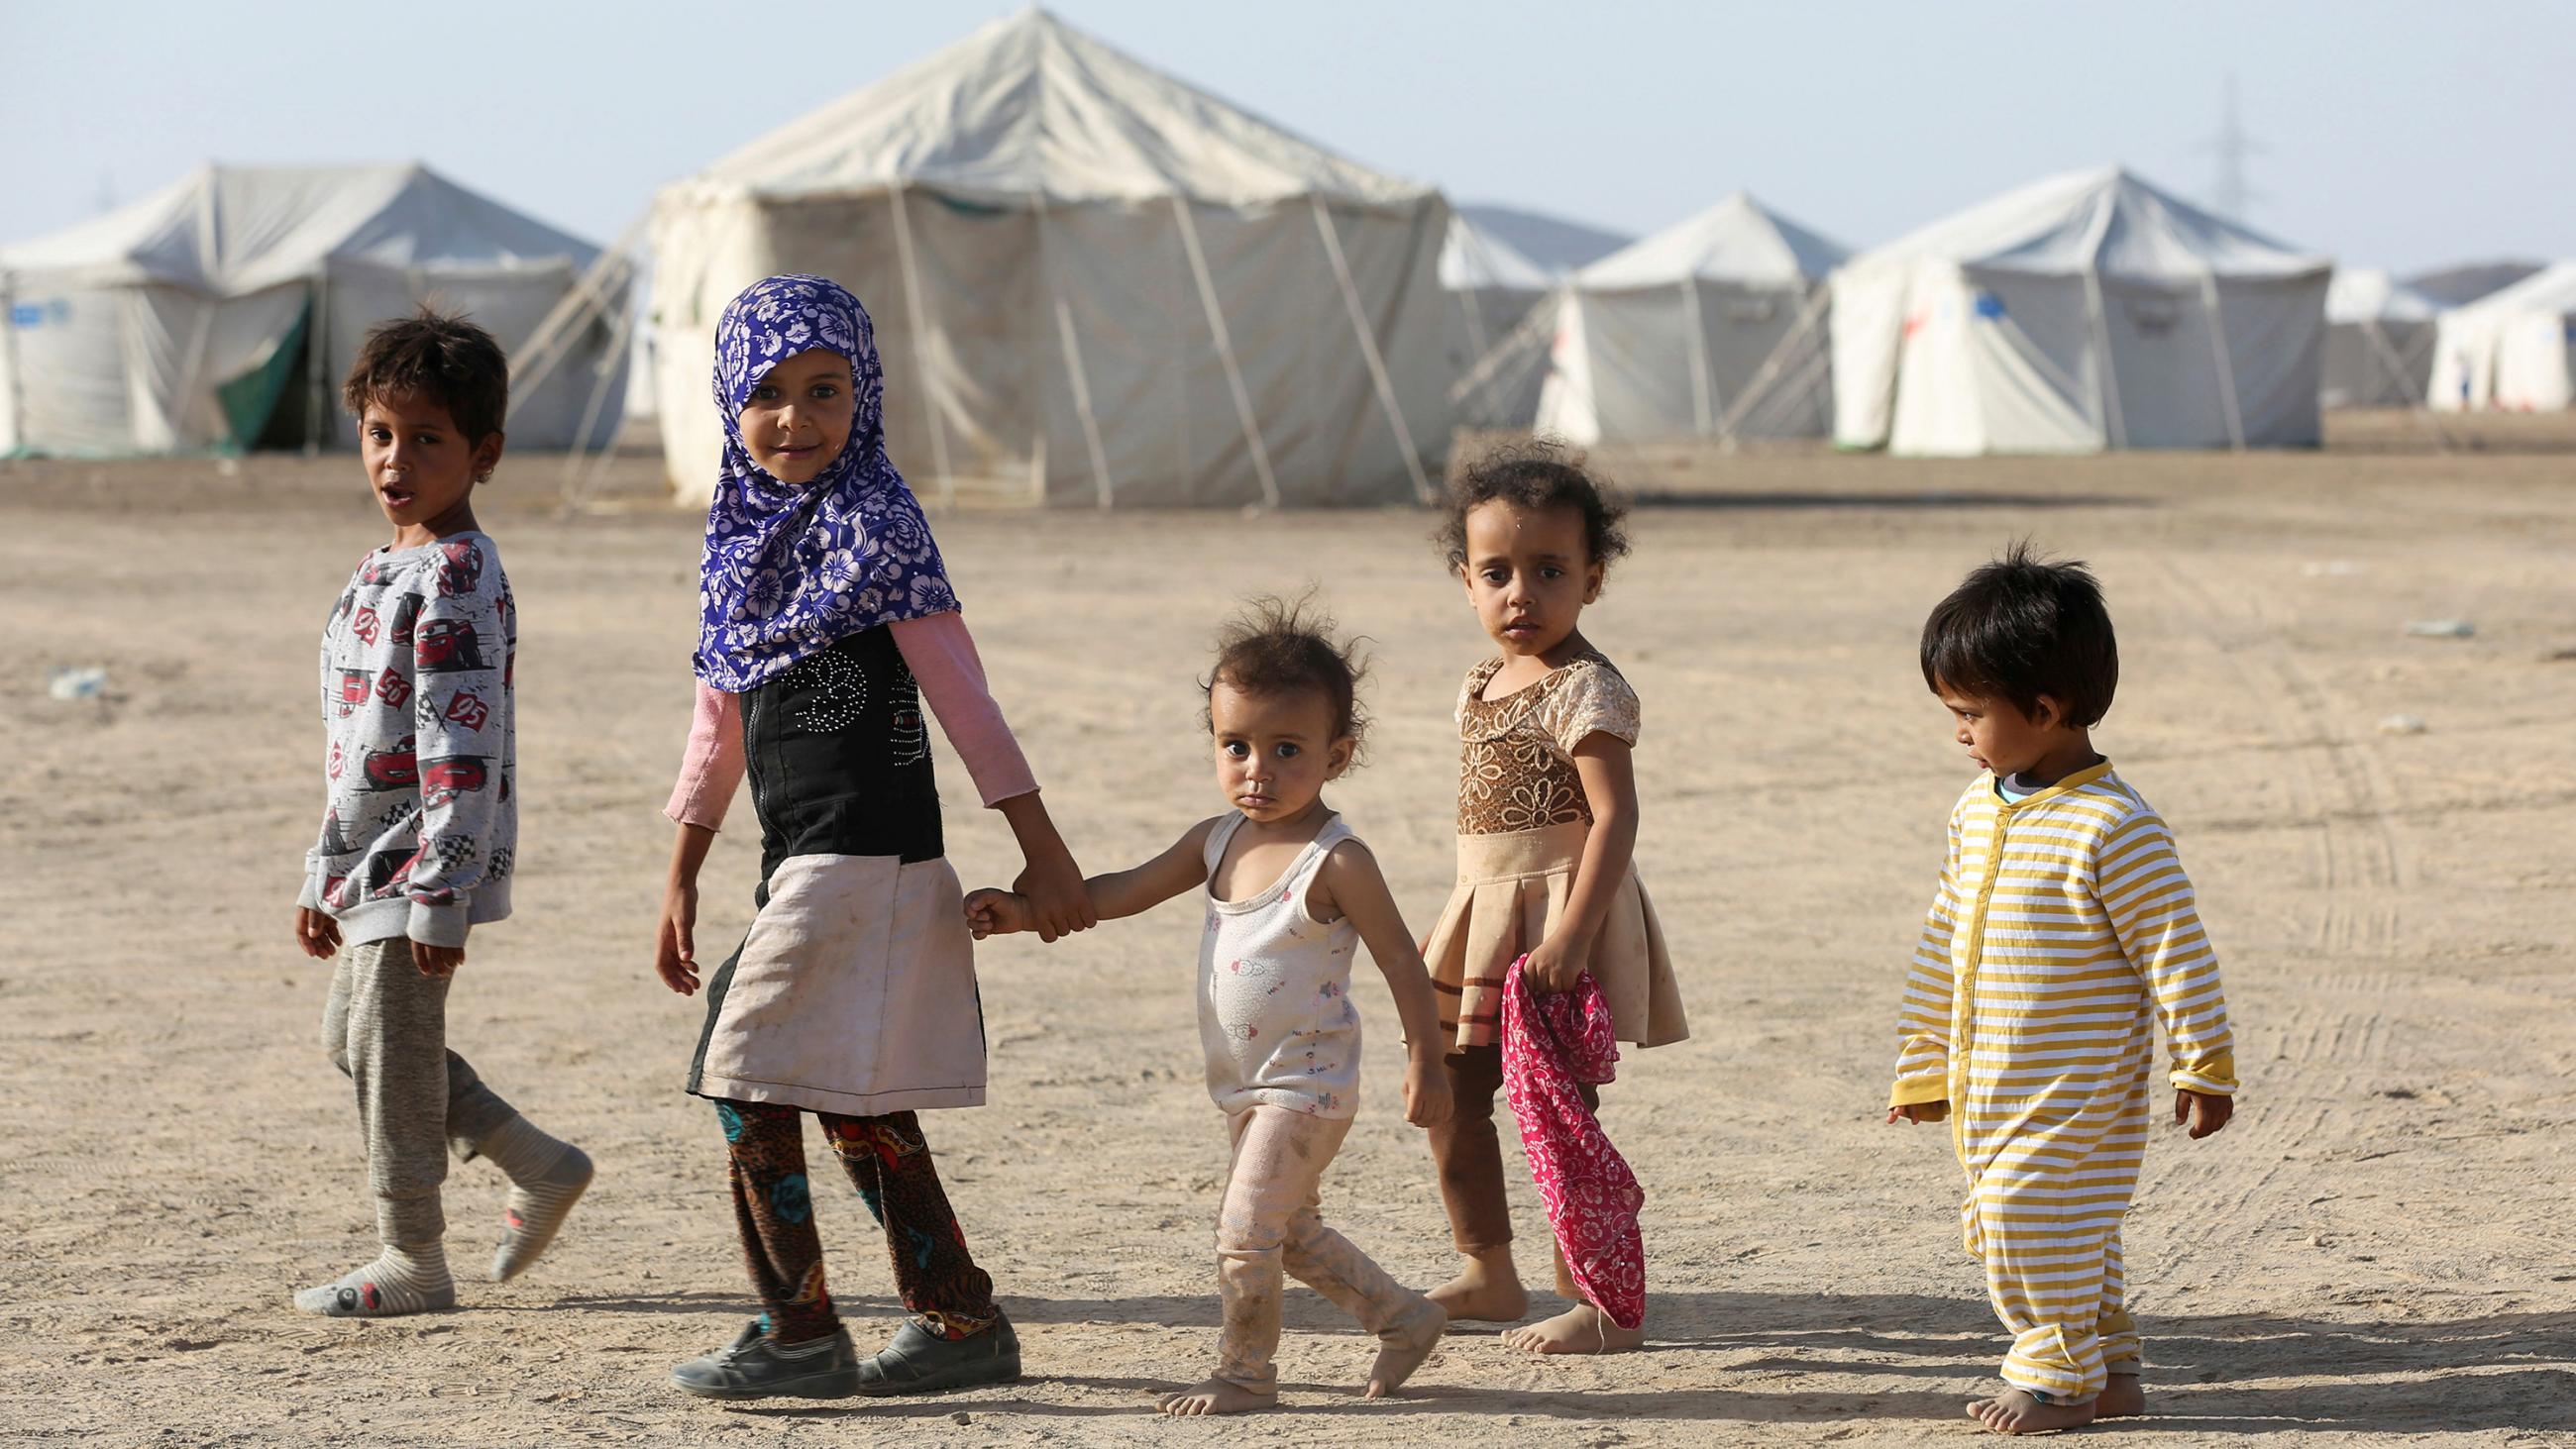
[2377,1251]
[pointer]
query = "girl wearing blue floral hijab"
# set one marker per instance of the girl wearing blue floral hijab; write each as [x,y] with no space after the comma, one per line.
[825,619]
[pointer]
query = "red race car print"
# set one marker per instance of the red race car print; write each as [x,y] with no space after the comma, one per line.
[447,646]
[445,778]
[394,769]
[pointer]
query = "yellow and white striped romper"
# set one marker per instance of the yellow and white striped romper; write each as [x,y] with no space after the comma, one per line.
[2063,929]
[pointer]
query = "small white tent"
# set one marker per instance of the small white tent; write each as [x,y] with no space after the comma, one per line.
[2379,341]
[1090,282]
[222,311]
[1491,286]
[2084,312]
[1709,328]
[2514,349]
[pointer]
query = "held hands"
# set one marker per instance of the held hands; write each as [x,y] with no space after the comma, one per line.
[2203,1112]
[316,934]
[1427,1102]
[998,913]
[436,960]
[1556,964]
[1052,891]
[675,956]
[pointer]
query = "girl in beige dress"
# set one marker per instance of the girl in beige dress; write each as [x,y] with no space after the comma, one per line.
[1547,828]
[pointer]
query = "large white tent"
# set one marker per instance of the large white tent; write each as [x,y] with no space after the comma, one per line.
[1709,328]
[1491,286]
[2379,341]
[1090,282]
[2083,312]
[2514,349]
[222,311]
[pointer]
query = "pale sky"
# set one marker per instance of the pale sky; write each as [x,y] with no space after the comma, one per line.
[2401,135]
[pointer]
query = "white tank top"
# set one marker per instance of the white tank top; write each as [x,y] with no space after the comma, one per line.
[1275,1012]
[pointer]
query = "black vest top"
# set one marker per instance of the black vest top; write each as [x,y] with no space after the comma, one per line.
[839,757]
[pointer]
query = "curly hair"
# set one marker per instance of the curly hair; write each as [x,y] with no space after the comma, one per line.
[1536,475]
[443,359]
[1278,647]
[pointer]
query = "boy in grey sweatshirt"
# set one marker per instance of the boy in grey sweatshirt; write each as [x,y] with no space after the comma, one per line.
[422,817]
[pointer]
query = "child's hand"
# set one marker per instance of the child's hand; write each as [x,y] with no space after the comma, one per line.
[1427,1102]
[1918,1112]
[2205,1112]
[316,934]
[436,960]
[1057,902]
[675,954]
[996,913]
[1555,965]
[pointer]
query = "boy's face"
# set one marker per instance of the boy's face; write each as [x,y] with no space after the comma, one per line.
[1529,573]
[1998,735]
[799,417]
[419,465]
[1274,752]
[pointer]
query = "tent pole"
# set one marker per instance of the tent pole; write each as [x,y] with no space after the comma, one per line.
[535,359]
[1760,386]
[1082,403]
[918,315]
[2107,383]
[1703,387]
[2226,362]
[2419,400]
[605,371]
[1368,349]
[1225,351]
[317,364]
[9,364]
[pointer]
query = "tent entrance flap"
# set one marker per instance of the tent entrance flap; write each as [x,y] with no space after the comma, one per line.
[262,406]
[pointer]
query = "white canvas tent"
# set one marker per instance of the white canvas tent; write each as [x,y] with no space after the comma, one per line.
[2083,312]
[222,311]
[2514,349]
[1491,286]
[1090,282]
[2379,341]
[1709,328]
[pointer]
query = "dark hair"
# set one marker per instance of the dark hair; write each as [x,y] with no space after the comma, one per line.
[443,358]
[1536,475]
[1276,647]
[2021,627]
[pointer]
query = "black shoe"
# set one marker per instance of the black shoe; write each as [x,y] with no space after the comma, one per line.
[754,1367]
[919,1361]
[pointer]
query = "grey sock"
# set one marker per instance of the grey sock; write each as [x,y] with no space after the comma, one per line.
[400,1280]
[547,1177]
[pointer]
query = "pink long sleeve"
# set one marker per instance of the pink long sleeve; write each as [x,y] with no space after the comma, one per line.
[712,768]
[941,655]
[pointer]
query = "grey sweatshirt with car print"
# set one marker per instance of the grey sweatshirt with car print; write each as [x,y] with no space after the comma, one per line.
[416,671]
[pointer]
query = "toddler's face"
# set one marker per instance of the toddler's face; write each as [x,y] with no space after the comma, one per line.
[1998,735]
[1274,752]
[798,418]
[418,463]
[1529,573]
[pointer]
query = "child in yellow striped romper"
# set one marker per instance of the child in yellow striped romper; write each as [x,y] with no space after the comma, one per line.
[2064,930]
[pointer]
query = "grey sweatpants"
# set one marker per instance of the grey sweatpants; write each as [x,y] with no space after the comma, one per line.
[386,1028]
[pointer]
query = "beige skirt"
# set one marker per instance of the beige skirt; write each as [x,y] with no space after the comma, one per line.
[854,993]
[1512,888]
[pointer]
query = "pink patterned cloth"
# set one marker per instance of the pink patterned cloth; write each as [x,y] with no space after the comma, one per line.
[1550,1043]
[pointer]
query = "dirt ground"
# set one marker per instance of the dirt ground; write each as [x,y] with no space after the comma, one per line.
[2377,1251]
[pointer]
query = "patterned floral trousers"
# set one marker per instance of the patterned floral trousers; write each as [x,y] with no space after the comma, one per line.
[888,1160]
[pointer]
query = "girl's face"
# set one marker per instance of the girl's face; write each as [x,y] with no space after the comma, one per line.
[1529,573]
[798,417]
[1274,752]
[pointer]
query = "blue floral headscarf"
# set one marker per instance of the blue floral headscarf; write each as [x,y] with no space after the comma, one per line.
[791,569]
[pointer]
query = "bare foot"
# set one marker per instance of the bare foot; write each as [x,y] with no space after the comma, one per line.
[1215,1396]
[1402,1349]
[2014,1411]
[2123,1398]
[1487,1290]
[1580,1329]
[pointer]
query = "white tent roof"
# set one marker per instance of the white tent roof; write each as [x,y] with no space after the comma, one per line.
[2370,294]
[1737,240]
[1029,106]
[228,230]
[2106,222]
[2551,289]
[1473,257]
